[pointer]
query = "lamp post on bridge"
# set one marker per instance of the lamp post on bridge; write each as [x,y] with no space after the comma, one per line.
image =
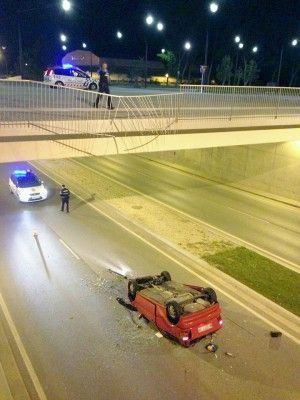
[160,27]
[66,6]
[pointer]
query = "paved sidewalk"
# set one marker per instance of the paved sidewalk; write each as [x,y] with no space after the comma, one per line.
[12,386]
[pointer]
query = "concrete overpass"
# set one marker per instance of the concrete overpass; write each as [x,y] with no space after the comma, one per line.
[40,122]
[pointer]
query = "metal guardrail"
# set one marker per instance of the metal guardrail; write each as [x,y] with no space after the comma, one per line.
[66,110]
[246,101]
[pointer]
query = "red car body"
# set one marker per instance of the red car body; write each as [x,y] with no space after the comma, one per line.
[196,321]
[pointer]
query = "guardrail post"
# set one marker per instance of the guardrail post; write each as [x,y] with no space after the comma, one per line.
[277,106]
[231,108]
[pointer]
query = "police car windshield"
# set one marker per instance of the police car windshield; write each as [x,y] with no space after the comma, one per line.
[28,180]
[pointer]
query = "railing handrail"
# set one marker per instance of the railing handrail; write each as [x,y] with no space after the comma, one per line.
[241,86]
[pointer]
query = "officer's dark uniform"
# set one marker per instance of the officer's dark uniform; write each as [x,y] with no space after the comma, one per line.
[65,196]
[104,87]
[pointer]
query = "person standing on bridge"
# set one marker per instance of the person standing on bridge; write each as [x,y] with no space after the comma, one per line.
[65,197]
[103,86]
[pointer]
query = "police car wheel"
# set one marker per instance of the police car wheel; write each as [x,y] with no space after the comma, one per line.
[93,86]
[59,83]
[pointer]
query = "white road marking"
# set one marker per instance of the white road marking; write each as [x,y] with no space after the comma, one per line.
[24,355]
[69,248]
[288,264]
[233,299]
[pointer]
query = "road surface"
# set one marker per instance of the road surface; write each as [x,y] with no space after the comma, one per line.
[84,345]
[266,224]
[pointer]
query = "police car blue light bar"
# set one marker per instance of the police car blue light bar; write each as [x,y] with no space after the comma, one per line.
[65,66]
[20,172]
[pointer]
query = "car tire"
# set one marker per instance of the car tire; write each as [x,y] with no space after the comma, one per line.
[132,289]
[59,84]
[211,295]
[174,312]
[166,276]
[93,86]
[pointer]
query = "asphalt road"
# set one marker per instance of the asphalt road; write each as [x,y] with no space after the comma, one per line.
[269,225]
[84,345]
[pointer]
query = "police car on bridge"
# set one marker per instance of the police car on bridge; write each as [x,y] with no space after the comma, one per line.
[27,186]
[69,76]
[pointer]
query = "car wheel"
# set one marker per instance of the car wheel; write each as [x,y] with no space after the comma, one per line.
[166,276]
[211,295]
[59,84]
[174,312]
[93,86]
[132,289]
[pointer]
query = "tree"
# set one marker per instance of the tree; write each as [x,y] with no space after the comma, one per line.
[251,72]
[238,76]
[168,58]
[224,70]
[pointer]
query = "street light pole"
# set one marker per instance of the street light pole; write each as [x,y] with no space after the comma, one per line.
[280,66]
[66,5]
[20,47]
[146,62]
[213,8]
[160,27]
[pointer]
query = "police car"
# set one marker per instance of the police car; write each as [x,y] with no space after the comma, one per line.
[27,186]
[69,76]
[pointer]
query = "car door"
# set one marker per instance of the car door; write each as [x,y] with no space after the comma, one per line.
[13,184]
[80,79]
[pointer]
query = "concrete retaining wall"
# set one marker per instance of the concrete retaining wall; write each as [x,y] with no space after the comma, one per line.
[272,169]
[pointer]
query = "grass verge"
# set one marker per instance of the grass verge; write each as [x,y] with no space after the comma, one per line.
[265,276]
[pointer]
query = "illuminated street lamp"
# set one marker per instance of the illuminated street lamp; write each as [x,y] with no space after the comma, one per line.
[241,45]
[63,37]
[149,19]
[187,46]
[66,5]
[237,39]
[160,26]
[84,45]
[255,49]
[294,42]
[163,51]
[64,47]
[119,35]
[213,7]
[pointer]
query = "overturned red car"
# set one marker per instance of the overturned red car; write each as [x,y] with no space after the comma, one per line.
[185,312]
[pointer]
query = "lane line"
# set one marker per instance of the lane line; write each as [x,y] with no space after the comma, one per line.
[34,378]
[228,188]
[289,264]
[232,298]
[69,248]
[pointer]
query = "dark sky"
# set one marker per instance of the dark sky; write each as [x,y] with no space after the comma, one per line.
[267,23]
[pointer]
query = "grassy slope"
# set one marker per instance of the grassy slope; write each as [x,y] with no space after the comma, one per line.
[261,274]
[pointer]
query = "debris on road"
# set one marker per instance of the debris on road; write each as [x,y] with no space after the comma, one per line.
[229,354]
[275,334]
[159,335]
[211,347]
[125,304]
[117,273]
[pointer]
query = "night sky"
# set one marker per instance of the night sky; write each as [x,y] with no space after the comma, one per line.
[268,24]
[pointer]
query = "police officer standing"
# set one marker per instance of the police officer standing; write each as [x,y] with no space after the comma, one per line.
[65,196]
[104,86]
